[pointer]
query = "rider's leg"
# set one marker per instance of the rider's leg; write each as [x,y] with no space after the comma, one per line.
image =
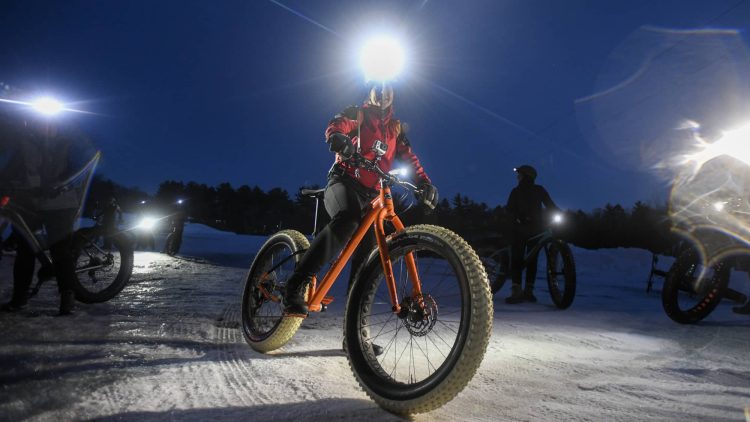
[23,274]
[516,266]
[345,204]
[531,269]
[59,225]
[360,257]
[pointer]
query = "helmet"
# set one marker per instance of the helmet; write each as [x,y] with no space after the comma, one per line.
[527,171]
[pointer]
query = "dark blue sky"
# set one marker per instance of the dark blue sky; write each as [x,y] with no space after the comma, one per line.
[241,91]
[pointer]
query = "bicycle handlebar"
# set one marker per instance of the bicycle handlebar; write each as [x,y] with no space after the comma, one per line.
[391,179]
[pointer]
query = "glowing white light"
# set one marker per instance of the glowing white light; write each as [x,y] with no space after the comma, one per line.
[557,218]
[719,206]
[179,201]
[143,202]
[403,172]
[48,106]
[734,143]
[382,59]
[147,223]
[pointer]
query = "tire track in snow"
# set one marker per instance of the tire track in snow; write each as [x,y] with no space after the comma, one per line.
[239,374]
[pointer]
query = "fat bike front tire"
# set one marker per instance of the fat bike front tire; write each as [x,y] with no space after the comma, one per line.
[561,274]
[264,325]
[433,347]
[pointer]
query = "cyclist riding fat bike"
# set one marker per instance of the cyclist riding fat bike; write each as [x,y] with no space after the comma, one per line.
[350,189]
[525,205]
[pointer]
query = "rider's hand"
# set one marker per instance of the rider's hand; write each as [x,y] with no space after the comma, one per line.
[341,144]
[428,195]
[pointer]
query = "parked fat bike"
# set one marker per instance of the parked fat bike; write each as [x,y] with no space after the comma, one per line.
[698,281]
[422,295]
[561,269]
[101,273]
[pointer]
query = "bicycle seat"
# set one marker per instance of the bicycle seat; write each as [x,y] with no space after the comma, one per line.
[313,193]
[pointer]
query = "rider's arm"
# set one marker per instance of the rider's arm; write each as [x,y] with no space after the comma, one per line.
[547,200]
[512,204]
[405,154]
[344,122]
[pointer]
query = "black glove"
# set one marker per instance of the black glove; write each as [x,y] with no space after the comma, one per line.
[341,144]
[429,195]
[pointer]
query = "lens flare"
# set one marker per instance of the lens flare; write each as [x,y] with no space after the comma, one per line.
[709,200]
[734,143]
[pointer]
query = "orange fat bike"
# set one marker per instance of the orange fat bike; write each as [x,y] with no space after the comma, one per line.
[422,296]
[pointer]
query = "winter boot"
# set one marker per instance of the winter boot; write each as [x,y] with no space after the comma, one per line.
[744,309]
[294,295]
[67,301]
[18,302]
[516,295]
[528,294]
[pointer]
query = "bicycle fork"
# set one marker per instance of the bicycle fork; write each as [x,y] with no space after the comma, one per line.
[388,214]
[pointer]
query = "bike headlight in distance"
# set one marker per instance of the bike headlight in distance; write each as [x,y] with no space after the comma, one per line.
[382,59]
[557,218]
[48,106]
[147,223]
[719,206]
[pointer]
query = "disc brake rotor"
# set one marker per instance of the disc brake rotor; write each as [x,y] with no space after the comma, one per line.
[419,315]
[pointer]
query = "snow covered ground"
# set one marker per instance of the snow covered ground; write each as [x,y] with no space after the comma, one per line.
[168,347]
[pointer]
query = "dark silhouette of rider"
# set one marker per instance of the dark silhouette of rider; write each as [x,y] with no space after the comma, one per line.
[38,157]
[525,205]
[109,216]
[177,223]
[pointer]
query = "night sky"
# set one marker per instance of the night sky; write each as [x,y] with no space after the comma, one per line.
[241,91]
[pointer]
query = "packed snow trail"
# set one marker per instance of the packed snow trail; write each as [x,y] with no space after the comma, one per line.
[169,347]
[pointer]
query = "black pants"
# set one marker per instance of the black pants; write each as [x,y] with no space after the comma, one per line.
[345,201]
[59,225]
[521,244]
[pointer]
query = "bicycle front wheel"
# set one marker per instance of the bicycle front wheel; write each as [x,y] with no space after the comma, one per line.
[561,274]
[101,273]
[433,347]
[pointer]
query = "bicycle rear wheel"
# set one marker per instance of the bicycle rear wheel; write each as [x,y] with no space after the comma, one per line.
[692,290]
[433,347]
[561,273]
[101,273]
[263,322]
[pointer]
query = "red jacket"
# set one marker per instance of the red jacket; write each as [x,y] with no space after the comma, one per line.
[371,128]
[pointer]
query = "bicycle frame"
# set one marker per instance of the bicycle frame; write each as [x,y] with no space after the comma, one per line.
[541,241]
[8,210]
[381,210]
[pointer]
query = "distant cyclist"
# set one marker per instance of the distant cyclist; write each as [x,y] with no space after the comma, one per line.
[109,216]
[527,204]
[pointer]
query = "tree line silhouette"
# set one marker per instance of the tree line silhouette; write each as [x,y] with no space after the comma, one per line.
[252,210]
